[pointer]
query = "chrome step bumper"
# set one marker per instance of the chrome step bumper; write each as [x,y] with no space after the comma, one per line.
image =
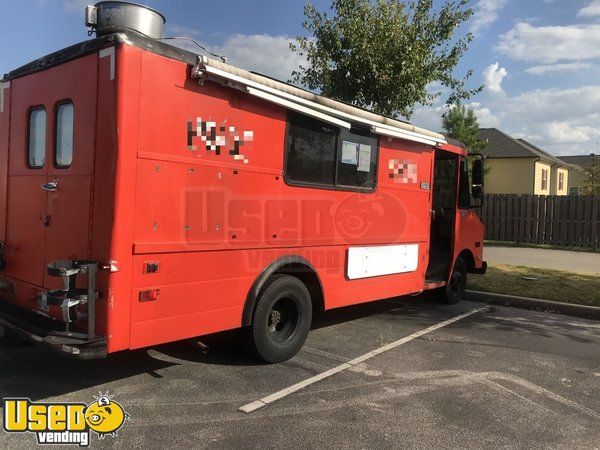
[41,330]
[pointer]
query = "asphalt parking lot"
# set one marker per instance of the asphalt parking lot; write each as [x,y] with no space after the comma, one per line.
[499,378]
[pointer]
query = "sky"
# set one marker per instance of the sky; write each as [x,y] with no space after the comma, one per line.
[538,59]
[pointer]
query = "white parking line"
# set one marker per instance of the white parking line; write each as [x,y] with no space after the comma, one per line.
[251,407]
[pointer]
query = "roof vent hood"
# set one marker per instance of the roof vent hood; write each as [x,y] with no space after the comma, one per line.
[116,16]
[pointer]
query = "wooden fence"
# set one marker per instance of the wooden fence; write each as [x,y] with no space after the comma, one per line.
[572,221]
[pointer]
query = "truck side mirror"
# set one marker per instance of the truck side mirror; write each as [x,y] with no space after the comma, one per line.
[477,182]
[478,173]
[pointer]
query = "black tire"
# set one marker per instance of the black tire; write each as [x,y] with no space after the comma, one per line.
[282,319]
[455,289]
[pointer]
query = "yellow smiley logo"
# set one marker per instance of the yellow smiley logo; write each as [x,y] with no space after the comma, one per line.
[105,416]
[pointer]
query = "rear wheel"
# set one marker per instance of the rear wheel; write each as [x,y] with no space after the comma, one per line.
[456,287]
[281,319]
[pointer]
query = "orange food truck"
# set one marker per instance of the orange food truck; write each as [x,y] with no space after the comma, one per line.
[149,194]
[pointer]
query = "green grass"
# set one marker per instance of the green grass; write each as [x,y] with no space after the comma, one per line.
[556,285]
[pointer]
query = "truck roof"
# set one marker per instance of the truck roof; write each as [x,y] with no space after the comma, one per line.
[219,69]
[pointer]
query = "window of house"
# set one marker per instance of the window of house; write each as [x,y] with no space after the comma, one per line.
[544,179]
[36,152]
[561,181]
[321,154]
[64,135]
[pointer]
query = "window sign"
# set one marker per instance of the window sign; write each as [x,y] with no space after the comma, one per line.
[364,158]
[350,153]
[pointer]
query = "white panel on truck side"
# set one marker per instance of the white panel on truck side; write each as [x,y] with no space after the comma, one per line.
[364,262]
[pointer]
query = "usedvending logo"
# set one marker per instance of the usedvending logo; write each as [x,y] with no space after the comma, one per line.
[64,423]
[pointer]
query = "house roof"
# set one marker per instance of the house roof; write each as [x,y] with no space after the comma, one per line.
[501,145]
[579,160]
[544,155]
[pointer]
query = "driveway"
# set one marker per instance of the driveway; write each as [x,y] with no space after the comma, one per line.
[582,262]
[498,377]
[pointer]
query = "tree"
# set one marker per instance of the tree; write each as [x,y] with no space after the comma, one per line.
[460,123]
[384,54]
[591,185]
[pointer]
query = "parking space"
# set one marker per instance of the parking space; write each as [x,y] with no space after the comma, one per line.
[502,377]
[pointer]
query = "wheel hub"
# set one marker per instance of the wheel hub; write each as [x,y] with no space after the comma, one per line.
[274,319]
[282,319]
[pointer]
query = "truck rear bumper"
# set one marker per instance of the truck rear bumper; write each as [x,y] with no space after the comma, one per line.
[38,329]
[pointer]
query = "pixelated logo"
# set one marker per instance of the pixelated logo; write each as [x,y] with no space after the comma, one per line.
[403,171]
[218,138]
[55,423]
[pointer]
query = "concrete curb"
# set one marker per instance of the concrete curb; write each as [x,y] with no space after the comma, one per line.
[569,309]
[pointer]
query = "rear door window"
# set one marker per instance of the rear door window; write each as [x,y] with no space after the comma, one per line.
[36,154]
[64,135]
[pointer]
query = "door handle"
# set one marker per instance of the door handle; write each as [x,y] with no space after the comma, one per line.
[51,186]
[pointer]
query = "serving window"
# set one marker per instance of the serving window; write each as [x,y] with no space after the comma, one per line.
[324,155]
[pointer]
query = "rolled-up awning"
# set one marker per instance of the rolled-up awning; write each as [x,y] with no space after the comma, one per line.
[291,97]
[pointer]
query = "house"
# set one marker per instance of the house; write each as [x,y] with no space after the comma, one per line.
[519,167]
[578,175]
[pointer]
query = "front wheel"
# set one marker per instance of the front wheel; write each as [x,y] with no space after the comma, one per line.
[282,319]
[456,287]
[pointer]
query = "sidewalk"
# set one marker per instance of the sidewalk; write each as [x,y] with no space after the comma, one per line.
[581,262]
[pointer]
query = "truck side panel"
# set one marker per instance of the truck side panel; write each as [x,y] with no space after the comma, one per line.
[469,236]
[211,223]
[4,145]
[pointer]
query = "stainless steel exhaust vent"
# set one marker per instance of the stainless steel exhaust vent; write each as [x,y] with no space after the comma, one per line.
[114,16]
